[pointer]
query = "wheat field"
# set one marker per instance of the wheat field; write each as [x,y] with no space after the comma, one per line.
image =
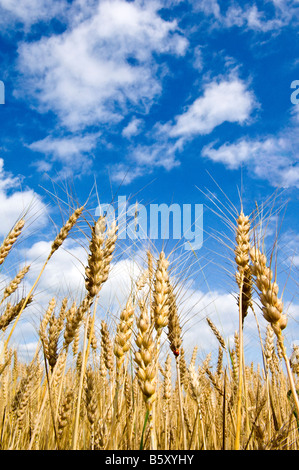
[132,387]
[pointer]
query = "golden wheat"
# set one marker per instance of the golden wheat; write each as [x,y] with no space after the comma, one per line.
[125,394]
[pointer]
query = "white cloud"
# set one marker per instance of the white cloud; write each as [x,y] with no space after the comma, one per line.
[226,100]
[251,18]
[289,248]
[124,173]
[144,159]
[271,159]
[247,15]
[91,73]
[29,12]
[160,154]
[133,128]
[221,307]
[73,152]
[116,290]
[223,101]
[64,277]
[198,58]
[194,304]
[68,261]
[209,7]
[232,155]
[16,201]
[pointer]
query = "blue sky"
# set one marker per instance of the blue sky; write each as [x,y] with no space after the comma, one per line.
[163,99]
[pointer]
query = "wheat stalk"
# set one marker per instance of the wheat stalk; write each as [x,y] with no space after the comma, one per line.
[272,307]
[55,245]
[146,360]
[244,282]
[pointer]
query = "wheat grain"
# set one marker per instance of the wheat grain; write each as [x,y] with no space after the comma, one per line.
[64,231]
[174,330]
[13,285]
[64,413]
[107,348]
[216,332]
[272,305]
[243,275]
[101,251]
[123,333]
[146,359]
[160,294]
[10,240]
[11,312]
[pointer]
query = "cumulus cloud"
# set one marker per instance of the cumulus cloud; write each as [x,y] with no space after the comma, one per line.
[251,18]
[144,159]
[133,128]
[125,173]
[289,247]
[223,101]
[68,261]
[270,158]
[28,12]
[92,72]
[72,152]
[16,201]
[248,15]
[64,277]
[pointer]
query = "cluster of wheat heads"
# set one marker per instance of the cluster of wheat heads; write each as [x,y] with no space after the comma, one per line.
[123,388]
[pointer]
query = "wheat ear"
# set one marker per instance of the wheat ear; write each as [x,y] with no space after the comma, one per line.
[96,273]
[196,392]
[160,295]
[272,307]
[175,340]
[12,312]
[62,235]
[174,330]
[10,240]
[167,395]
[146,360]
[99,259]
[13,285]
[244,281]
[123,333]
[55,245]
[243,274]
